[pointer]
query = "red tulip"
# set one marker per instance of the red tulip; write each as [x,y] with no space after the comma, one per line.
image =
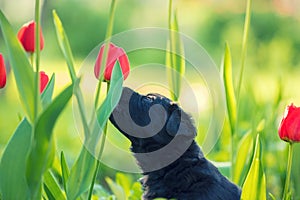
[2,72]
[114,54]
[289,129]
[26,36]
[43,81]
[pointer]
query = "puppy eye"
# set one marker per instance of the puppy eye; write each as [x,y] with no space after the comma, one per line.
[149,98]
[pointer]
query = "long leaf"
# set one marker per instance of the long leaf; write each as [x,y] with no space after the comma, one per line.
[13,184]
[229,89]
[23,72]
[125,182]
[244,46]
[136,191]
[41,154]
[242,158]
[67,52]
[64,170]
[175,60]
[254,187]
[64,45]
[117,190]
[53,186]
[81,174]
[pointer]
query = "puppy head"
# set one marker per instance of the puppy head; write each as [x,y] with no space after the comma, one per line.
[151,121]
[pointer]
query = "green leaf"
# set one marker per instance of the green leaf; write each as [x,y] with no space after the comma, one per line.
[272,196]
[125,182]
[229,89]
[64,45]
[42,149]
[113,96]
[243,157]
[64,170]
[116,189]
[244,46]
[81,174]
[100,191]
[254,187]
[136,191]
[46,96]
[53,186]
[66,50]
[21,67]
[13,183]
[175,60]
[110,102]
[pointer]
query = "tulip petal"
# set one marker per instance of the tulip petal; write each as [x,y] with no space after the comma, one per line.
[44,79]
[124,63]
[2,72]
[114,54]
[289,129]
[46,96]
[110,62]
[26,36]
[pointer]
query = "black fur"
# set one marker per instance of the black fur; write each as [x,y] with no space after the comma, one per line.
[189,176]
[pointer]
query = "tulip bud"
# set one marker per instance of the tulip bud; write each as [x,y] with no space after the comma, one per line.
[26,36]
[43,81]
[2,72]
[114,54]
[289,129]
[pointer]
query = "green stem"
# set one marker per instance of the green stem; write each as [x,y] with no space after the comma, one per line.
[105,55]
[288,173]
[232,155]
[36,189]
[37,58]
[100,153]
[93,117]
[80,101]
[104,132]
[109,31]
[97,94]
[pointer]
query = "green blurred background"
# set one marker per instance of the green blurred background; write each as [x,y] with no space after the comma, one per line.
[272,74]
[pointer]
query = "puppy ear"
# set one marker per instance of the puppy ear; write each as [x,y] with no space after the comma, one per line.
[179,123]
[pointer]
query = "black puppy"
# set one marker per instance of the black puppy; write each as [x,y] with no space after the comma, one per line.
[162,138]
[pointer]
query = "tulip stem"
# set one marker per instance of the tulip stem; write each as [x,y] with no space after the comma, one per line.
[37,58]
[98,94]
[100,151]
[109,31]
[93,118]
[36,189]
[288,173]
